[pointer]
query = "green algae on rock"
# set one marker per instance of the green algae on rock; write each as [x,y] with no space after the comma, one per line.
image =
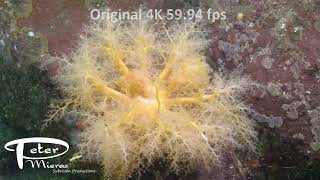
[20,8]
[24,97]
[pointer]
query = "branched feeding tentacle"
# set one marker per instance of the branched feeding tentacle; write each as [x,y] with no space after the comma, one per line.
[117,56]
[101,86]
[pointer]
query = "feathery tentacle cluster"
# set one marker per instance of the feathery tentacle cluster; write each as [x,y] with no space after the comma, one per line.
[145,92]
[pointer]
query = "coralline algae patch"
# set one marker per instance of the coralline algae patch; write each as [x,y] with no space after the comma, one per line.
[61,24]
[277,45]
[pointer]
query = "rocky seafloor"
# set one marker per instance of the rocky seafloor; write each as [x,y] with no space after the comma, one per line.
[274,42]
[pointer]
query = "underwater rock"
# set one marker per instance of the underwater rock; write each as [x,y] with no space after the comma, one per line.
[291,110]
[267,62]
[315,128]
[5,35]
[29,47]
[91,4]
[230,50]
[299,136]
[61,25]
[26,96]
[273,122]
[287,35]
[258,91]
[285,17]
[274,88]
[2,45]
[317,24]
[20,8]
